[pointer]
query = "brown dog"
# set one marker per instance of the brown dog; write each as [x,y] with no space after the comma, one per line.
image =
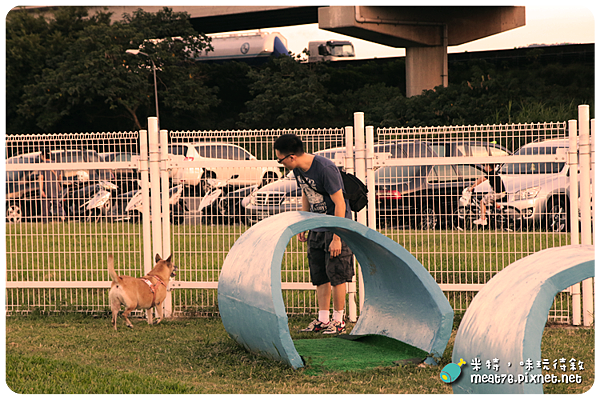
[140,293]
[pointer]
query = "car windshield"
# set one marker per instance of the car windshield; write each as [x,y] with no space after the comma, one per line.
[533,168]
[390,175]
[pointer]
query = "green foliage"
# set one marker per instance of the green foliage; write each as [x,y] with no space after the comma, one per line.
[71,73]
[287,94]
[91,74]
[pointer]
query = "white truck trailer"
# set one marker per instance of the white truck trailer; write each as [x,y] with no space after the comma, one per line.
[249,47]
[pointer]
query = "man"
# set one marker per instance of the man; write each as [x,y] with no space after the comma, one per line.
[50,182]
[329,258]
[498,191]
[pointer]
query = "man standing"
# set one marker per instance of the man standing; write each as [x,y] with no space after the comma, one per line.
[329,258]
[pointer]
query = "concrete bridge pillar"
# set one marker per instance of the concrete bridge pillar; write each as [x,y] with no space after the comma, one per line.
[427,67]
[425,32]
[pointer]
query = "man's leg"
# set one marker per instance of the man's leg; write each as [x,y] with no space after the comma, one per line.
[323,301]
[316,262]
[482,216]
[339,301]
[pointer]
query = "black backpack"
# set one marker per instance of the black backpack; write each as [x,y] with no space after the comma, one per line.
[356,191]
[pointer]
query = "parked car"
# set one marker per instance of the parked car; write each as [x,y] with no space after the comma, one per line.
[469,148]
[125,178]
[419,196]
[82,174]
[189,177]
[228,151]
[539,190]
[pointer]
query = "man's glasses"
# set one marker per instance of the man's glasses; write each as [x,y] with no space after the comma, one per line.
[280,160]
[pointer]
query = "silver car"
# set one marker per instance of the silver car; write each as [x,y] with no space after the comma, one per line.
[540,190]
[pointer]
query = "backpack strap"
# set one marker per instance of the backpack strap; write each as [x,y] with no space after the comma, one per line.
[308,184]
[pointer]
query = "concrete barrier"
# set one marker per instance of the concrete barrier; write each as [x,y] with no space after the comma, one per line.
[402,300]
[506,319]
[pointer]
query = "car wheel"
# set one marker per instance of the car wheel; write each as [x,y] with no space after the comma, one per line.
[427,219]
[558,215]
[14,214]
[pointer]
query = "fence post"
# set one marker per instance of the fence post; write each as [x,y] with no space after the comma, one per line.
[586,219]
[166,226]
[146,231]
[371,206]
[592,164]
[349,168]
[593,200]
[574,212]
[155,185]
[359,168]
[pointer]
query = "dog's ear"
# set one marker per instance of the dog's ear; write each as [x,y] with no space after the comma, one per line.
[157,258]
[169,258]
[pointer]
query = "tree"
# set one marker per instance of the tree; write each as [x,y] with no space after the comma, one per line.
[93,75]
[34,44]
[287,94]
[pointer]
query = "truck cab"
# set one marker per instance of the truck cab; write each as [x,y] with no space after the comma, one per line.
[330,50]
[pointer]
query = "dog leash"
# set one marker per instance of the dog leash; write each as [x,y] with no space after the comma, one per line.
[153,286]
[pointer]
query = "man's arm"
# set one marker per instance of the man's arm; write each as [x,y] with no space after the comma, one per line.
[479,180]
[41,183]
[335,248]
[340,203]
[305,207]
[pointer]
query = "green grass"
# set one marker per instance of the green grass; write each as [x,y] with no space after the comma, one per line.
[72,353]
[76,251]
[35,251]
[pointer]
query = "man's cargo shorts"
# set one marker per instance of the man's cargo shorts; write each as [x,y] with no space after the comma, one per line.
[323,268]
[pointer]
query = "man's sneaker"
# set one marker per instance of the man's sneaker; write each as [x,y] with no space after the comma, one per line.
[480,221]
[335,328]
[315,326]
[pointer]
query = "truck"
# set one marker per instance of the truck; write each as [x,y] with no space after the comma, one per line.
[253,48]
[330,50]
[257,47]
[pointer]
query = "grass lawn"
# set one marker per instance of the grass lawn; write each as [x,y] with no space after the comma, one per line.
[73,353]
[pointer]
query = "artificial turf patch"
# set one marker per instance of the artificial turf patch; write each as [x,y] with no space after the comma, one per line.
[354,352]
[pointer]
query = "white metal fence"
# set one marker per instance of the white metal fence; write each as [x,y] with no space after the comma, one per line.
[414,199]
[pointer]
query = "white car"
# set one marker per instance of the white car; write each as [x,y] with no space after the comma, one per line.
[191,176]
[540,190]
[228,151]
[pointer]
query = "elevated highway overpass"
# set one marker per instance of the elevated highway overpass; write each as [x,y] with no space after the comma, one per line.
[425,31]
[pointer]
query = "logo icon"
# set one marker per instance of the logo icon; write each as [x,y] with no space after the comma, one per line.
[451,372]
[245,48]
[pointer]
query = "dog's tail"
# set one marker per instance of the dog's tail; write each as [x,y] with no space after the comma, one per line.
[111,269]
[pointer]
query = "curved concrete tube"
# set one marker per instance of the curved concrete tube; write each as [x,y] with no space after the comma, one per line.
[506,319]
[402,300]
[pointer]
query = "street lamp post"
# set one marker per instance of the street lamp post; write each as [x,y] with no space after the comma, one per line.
[135,53]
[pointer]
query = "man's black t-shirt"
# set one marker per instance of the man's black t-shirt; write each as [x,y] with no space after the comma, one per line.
[495,181]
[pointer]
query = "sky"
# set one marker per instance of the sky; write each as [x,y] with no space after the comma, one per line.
[552,22]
